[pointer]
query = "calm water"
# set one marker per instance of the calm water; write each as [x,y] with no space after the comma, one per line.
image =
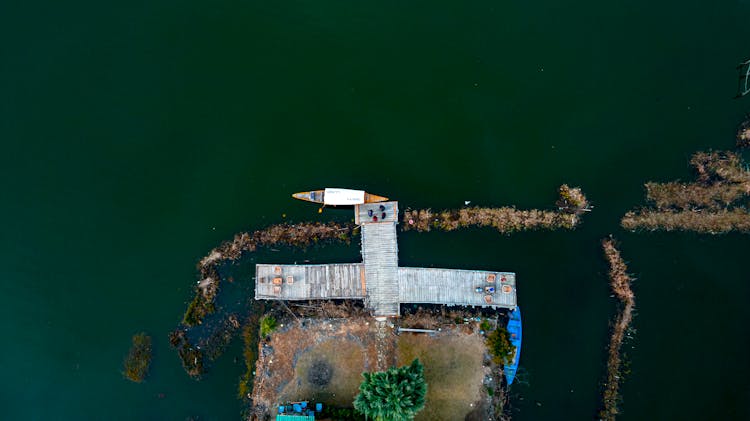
[138,135]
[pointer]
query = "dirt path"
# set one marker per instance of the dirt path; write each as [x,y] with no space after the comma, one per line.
[385,345]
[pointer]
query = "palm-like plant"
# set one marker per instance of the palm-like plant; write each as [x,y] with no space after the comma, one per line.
[393,395]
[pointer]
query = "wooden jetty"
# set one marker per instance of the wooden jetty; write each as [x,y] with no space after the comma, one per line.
[378,280]
[310,282]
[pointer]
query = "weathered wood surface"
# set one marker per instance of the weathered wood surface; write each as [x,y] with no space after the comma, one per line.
[380,256]
[379,281]
[309,282]
[455,287]
[362,215]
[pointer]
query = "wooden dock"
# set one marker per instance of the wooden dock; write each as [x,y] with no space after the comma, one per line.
[309,282]
[380,257]
[379,281]
[456,287]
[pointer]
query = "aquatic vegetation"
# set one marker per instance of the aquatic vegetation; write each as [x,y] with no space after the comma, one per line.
[620,283]
[711,205]
[191,357]
[294,235]
[571,205]
[743,134]
[498,343]
[572,200]
[396,394]
[194,355]
[250,355]
[703,222]
[138,359]
[693,195]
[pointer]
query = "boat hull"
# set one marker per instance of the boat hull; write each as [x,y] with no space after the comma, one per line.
[318,196]
[515,330]
[315,196]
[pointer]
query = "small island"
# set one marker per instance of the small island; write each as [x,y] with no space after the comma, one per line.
[312,330]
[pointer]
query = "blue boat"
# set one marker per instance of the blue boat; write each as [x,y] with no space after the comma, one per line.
[514,329]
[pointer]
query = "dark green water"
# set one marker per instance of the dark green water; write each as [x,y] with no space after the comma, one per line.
[138,135]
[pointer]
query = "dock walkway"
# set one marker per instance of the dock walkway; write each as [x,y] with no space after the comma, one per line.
[380,257]
[378,280]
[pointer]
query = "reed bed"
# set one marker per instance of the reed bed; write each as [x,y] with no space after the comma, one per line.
[713,204]
[571,205]
[293,235]
[694,195]
[700,221]
[620,283]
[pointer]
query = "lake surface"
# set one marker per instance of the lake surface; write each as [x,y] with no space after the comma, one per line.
[138,135]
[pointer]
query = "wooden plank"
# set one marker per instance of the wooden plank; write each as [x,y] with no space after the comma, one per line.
[379,281]
[455,287]
[310,281]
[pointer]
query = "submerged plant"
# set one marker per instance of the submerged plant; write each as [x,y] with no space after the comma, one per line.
[138,359]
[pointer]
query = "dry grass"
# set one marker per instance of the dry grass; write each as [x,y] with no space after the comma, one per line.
[571,204]
[704,222]
[346,345]
[345,357]
[452,360]
[694,195]
[620,284]
[453,371]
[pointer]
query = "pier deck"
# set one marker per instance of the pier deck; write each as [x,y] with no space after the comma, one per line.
[309,282]
[457,287]
[380,257]
[378,280]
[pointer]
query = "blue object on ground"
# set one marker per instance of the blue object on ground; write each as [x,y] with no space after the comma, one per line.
[515,331]
[303,404]
[318,407]
[281,410]
[297,408]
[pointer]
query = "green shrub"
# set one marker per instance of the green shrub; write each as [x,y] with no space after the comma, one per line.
[393,395]
[485,325]
[499,345]
[267,325]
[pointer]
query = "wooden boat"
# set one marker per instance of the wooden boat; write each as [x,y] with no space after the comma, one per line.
[515,331]
[336,197]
